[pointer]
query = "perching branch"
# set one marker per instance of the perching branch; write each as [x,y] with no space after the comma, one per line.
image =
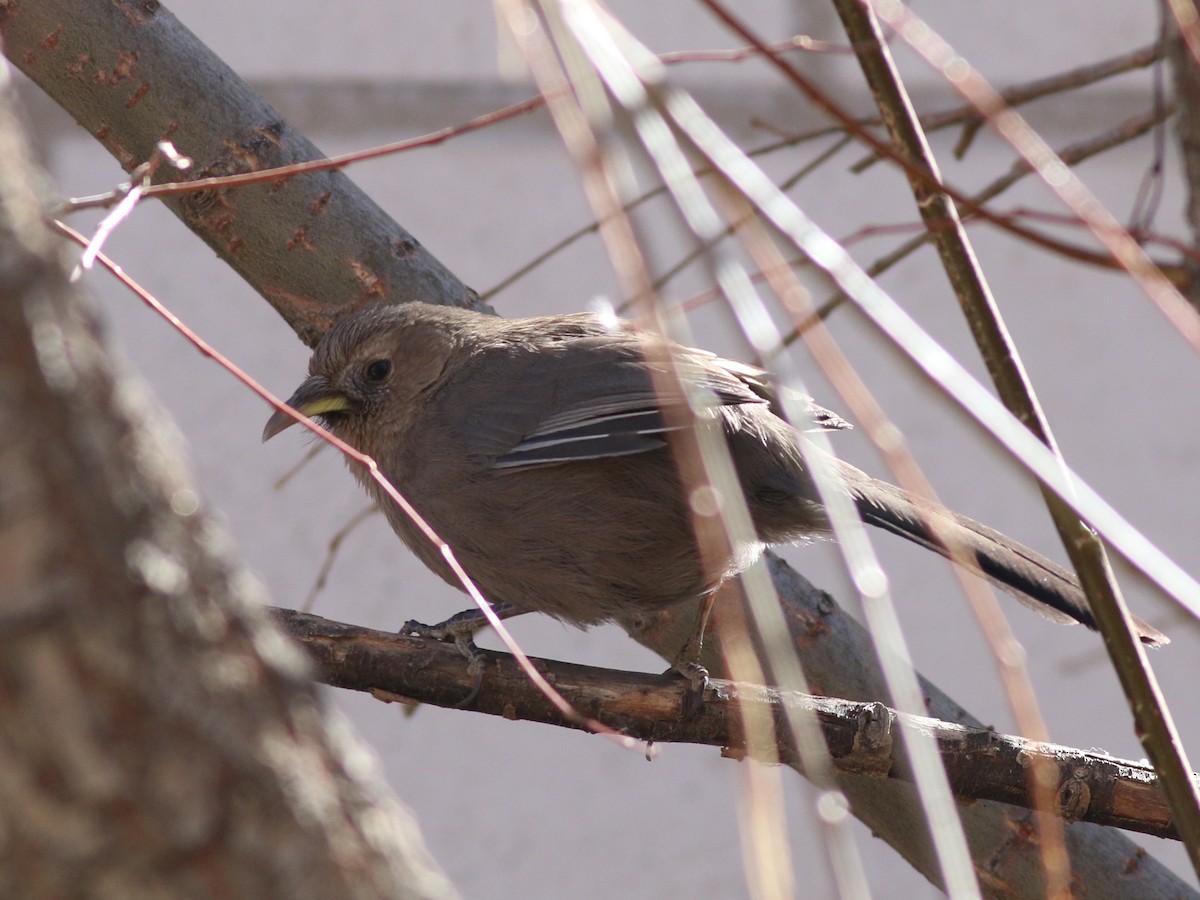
[983,764]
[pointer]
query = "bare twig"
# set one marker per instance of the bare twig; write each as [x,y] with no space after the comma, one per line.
[1072,155]
[1150,190]
[1186,76]
[1020,94]
[331,553]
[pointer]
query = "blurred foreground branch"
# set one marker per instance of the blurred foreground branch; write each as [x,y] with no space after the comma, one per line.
[152,721]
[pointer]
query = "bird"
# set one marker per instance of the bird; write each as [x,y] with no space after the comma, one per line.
[543,451]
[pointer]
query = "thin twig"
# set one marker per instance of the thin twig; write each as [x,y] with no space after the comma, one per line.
[331,553]
[1072,155]
[1150,190]
[1020,94]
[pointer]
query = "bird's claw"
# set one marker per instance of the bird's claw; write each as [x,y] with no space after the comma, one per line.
[693,695]
[474,667]
[459,630]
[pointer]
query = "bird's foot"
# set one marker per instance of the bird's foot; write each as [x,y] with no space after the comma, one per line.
[460,629]
[687,663]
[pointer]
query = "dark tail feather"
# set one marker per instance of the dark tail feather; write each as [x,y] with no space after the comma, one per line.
[1034,580]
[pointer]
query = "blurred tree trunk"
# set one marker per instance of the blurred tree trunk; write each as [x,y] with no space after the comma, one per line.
[157,736]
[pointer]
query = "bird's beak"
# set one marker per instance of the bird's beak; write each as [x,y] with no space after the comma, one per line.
[315,397]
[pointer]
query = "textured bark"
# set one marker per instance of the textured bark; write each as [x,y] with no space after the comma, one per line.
[313,245]
[157,735]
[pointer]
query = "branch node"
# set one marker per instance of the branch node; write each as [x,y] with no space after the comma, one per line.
[873,740]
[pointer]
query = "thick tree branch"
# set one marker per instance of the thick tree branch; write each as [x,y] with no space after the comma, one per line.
[132,75]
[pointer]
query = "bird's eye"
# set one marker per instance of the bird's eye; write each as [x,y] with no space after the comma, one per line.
[378,370]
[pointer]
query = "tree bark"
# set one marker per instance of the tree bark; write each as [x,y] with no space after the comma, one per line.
[157,737]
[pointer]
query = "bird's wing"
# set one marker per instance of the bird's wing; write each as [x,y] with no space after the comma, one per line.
[814,417]
[591,396]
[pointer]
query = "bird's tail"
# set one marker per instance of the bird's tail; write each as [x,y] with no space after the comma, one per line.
[1034,580]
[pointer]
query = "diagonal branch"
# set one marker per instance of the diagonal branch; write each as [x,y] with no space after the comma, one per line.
[314,245]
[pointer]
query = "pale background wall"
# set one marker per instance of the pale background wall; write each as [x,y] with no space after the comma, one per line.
[518,810]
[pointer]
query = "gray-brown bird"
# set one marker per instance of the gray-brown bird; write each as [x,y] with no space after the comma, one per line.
[537,448]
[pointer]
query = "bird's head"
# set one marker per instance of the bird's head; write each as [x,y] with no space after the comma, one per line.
[368,370]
